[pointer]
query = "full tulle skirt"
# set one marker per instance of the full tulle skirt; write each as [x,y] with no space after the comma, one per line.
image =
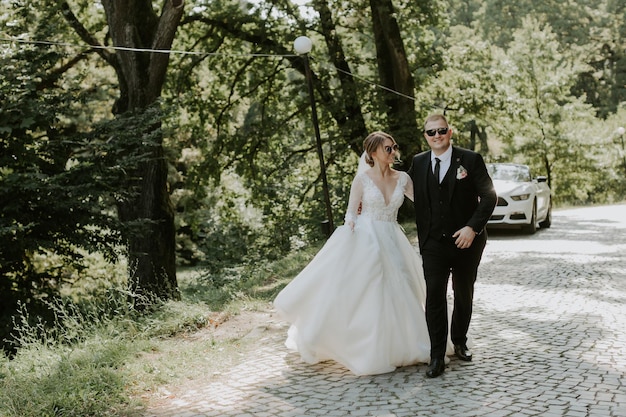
[360,301]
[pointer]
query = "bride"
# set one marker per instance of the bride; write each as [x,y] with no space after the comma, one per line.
[360,301]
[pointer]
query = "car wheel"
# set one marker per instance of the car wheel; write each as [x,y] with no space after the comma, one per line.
[531,227]
[548,221]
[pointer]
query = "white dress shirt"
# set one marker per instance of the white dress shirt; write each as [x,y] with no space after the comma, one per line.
[444,165]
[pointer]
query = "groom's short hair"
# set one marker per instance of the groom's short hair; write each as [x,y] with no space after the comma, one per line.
[434,117]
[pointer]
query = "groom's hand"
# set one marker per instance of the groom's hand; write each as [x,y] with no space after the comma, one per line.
[464,237]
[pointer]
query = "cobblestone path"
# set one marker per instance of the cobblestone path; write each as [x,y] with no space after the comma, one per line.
[549,335]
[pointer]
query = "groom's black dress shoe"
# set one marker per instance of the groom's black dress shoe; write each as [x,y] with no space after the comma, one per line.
[436,368]
[463,353]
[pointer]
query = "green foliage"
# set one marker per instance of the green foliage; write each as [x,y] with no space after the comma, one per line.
[54,382]
[546,124]
[77,366]
[610,178]
[47,204]
[500,18]
[101,355]
[261,151]
[61,173]
[74,365]
[470,74]
[592,30]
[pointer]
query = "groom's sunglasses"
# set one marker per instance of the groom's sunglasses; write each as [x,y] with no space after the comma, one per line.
[395,147]
[441,131]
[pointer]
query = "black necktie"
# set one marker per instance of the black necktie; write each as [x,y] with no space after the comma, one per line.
[437,168]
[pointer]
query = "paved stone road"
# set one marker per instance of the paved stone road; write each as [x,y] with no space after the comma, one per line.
[549,333]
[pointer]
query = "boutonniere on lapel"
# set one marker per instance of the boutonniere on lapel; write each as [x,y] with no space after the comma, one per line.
[461,172]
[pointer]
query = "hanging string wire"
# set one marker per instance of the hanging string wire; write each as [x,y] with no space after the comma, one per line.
[181,52]
[377,85]
[129,49]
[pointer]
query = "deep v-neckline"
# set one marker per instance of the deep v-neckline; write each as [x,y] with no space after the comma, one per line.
[395,187]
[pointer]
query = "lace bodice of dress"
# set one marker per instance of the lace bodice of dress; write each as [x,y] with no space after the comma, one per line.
[373,201]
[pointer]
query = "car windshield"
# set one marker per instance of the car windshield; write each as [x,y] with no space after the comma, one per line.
[517,173]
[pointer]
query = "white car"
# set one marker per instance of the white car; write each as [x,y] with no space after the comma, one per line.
[523,201]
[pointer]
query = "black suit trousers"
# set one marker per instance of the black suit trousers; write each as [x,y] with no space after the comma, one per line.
[441,259]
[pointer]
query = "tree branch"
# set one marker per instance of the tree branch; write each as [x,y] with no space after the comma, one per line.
[84,34]
[163,39]
[54,75]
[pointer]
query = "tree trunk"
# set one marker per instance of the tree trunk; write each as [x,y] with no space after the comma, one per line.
[395,74]
[152,251]
[141,74]
[152,259]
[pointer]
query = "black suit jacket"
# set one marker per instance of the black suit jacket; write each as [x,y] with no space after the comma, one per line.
[471,193]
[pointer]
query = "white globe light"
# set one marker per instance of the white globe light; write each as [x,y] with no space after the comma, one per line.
[620,130]
[302,45]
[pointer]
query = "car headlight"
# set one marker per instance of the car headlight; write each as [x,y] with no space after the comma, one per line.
[520,197]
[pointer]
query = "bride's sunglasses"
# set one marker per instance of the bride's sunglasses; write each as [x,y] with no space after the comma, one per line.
[441,131]
[389,149]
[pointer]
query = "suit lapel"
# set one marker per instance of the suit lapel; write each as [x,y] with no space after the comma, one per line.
[425,172]
[455,162]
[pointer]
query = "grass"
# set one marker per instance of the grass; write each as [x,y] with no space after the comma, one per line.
[53,379]
[102,359]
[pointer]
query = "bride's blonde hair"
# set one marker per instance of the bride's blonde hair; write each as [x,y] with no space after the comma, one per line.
[373,141]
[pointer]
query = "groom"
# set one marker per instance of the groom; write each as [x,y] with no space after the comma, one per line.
[454,197]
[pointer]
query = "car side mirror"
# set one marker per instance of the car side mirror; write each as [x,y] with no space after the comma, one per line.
[542,178]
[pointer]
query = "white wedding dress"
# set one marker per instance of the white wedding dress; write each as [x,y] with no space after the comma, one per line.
[360,301]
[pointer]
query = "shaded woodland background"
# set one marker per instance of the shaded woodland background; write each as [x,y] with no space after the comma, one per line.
[206,157]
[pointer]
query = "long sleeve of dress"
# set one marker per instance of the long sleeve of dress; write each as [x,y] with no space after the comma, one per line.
[356,195]
[408,187]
